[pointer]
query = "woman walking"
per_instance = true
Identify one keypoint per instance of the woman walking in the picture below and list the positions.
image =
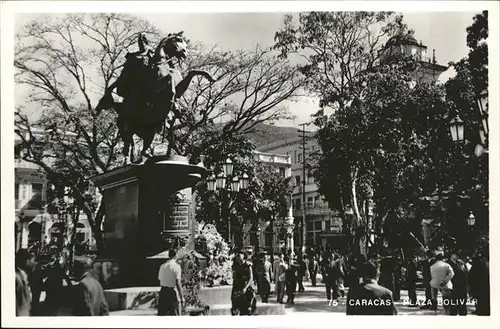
(242, 296)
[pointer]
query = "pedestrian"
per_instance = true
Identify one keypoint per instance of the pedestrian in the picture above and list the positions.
(479, 282)
(411, 280)
(291, 279)
(301, 272)
(387, 274)
(340, 269)
(468, 263)
(114, 281)
(428, 261)
(35, 278)
(459, 282)
(23, 261)
(242, 295)
(358, 269)
(441, 275)
(55, 274)
(88, 295)
(265, 278)
(280, 278)
(397, 270)
(313, 270)
(331, 280)
(171, 299)
(369, 298)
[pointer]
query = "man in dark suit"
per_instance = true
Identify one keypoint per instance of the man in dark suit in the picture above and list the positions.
(430, 302)
(411, 280)
(369, 298)
(459, 281)
(89, 297)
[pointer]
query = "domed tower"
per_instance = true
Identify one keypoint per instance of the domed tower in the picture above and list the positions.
(406, 45)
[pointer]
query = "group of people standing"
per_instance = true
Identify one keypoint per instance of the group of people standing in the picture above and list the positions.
(460, 282)
(84, 296)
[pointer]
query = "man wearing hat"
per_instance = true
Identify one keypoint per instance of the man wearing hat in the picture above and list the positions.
(88, 294)
(459, 281)
(242, 295)
(429, 260)
(264, 276)
(369, 298)
(441, 275)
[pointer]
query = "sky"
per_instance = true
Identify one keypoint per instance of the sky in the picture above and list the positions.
(443, 31)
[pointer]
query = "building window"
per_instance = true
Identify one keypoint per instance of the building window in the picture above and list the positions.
(282, 172)
(298, 204)
(36, 196)
(317, 225)
(310, 179)
(17, 151)
(24, 191)
(297, 180)
(310, 202)
(300, 158)
(295, 156)
(309, 226)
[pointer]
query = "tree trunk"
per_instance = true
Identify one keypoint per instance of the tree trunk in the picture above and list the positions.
(366, 211)
(354, 201)
(71, 246)
(95, 222)
(271, 224)
(99, 240)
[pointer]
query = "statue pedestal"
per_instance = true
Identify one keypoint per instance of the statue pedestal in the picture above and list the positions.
(148, 209)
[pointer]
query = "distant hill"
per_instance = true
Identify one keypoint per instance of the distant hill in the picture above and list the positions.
(264, 134)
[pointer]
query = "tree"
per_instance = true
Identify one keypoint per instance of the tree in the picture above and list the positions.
(64, 65)
(266, 196)
(338, 48)
(228, 210)
(252, 87)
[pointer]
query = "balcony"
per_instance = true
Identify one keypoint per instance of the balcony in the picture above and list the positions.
(273, 158)
(315, 211)
(22, 164)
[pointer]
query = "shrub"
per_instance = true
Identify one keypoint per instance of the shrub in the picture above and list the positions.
(191, 278)
(216, 248)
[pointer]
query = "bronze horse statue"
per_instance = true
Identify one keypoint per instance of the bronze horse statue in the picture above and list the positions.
(149, 84)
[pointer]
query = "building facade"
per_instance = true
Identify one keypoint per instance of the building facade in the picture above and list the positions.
(406, 45)
(279, 234)
(33, 223)
(323, 225)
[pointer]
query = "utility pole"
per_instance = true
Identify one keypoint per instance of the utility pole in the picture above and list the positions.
(303, 143)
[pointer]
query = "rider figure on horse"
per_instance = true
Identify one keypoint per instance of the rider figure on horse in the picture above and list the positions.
(149, 84)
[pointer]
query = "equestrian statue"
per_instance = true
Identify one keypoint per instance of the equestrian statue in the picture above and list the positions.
(150, 85)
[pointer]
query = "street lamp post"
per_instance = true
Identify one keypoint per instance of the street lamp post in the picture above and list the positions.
(471, 221)
(457, 134)
(23, 238)
(236, 184)
(257, 243)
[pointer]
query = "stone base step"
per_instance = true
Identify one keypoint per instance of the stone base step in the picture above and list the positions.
(219, 309)
(142, 297)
